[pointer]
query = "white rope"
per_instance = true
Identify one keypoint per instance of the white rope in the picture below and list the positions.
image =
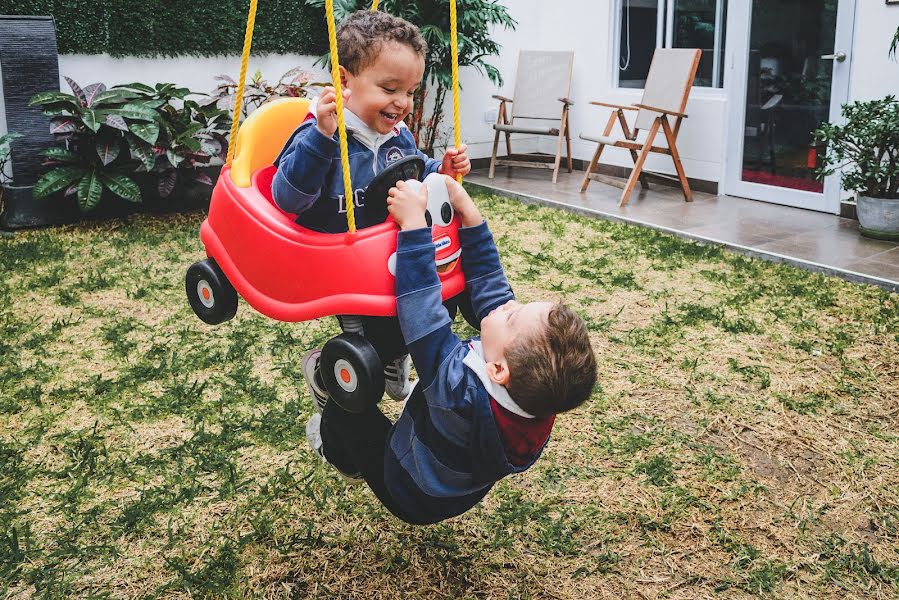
(628, 37)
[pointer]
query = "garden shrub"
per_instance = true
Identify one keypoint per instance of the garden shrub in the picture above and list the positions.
(177, 27)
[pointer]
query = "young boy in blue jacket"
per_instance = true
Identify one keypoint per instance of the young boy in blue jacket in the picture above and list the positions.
(483, 408)
(382, 64)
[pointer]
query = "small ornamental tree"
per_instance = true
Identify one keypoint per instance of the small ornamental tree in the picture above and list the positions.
(895, 45)
(865, 147)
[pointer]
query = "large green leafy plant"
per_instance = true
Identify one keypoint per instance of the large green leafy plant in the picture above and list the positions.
(476, 20)
(111, 134)
(295, 83)
(865, 147)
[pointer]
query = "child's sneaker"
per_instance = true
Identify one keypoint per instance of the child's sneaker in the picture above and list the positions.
(396, 378)
(314, 437)
(313, 376)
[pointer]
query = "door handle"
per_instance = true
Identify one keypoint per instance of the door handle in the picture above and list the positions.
(837, 56)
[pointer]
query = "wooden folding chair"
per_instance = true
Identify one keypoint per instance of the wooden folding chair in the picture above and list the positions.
(542, 81)
(664, 96)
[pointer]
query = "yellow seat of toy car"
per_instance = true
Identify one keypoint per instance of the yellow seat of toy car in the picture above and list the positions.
(263, 135)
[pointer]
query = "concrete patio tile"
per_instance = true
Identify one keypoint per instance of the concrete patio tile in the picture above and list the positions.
(838, 247)
(811, 240)
(730, 232)
(884, 265)
(890, 257)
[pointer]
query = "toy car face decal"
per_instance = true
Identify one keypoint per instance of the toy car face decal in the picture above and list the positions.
(439, 211)
(391, 264)
(445, 261)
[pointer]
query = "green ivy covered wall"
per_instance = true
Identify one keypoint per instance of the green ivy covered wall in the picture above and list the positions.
(178, 27)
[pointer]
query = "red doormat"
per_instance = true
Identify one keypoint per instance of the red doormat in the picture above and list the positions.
(793, 183)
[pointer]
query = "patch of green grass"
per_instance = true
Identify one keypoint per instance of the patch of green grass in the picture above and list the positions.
(145, 454)
(805, 404)
(658, 470)
(845, 561)
(753, 373)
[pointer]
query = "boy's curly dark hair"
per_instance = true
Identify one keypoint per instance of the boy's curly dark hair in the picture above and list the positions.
(361, 36)
(554, 370)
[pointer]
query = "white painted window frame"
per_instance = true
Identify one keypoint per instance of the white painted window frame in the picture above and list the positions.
(665, 39)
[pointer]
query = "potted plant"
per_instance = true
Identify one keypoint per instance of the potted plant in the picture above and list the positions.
(866, 149)
(128, 142)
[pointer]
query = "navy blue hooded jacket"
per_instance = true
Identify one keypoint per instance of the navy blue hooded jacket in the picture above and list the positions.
(445, 452)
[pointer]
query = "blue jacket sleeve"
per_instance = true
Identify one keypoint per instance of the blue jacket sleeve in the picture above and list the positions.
(424, 321)
(431, 164)
(302, 168)
(484, 277)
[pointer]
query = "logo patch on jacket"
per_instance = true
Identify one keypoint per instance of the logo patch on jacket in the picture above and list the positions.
(393, 155)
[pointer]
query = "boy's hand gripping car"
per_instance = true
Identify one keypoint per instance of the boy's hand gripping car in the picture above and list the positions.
(290, 273)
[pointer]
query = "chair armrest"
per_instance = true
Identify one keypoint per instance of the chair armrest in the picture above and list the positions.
(661, 110)
(615, 106)
(566, 101)
(501, 98)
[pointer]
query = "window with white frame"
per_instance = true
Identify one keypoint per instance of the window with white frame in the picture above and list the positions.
(644, 25)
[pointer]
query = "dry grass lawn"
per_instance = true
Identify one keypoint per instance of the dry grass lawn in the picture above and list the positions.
(743, 441)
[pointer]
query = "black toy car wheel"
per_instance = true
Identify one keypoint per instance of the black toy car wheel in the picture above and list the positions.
(410, 167)
(210, 293)
(352, 372)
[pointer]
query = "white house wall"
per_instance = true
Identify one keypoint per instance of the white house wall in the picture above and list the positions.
(192, 72)
(874, 74)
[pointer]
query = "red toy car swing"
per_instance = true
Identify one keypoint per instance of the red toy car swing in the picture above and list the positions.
(290, 273)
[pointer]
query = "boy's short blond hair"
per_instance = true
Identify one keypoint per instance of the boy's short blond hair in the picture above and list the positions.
(554, 370)
(362, 35)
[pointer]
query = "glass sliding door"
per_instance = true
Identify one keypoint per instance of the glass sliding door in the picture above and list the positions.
(791, 71)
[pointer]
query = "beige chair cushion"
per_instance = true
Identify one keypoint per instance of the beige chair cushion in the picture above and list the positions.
(604, 139)
(535, 130)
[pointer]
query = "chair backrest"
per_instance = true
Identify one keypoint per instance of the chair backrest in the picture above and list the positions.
(542, 78)
(263, 135)
(669, 81)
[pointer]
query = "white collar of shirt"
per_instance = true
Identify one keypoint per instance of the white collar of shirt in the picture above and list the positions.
(474, 360)
(367, 136)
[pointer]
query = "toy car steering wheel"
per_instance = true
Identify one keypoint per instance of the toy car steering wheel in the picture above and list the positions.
(410, 167)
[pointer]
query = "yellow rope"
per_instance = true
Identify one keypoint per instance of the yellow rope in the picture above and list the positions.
(238, 97)
(341, 125)
(374, 5)
(454, 41)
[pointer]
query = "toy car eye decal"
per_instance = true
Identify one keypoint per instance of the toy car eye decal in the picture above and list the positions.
(391, 264)
(440, 211)
(446, 212)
